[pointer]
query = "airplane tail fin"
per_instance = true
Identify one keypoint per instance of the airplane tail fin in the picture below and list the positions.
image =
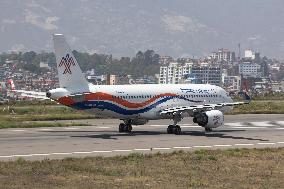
(69, 73)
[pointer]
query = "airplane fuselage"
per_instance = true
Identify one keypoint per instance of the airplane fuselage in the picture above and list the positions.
(139, 101)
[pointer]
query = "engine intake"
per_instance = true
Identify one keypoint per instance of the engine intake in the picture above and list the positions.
(209, 119)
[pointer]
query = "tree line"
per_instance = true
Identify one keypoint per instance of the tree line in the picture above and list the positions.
(143, 63)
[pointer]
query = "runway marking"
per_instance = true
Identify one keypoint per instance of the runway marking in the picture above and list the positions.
(181, 147)
(266, 143)
(142, 149)
(90, 152)
(202, 146)
(244, 144)
(101, 151)
(262, 124)
(46, 129)
(280, 122)
(61, 153)
(157, 125)
(161, 148)
(235, 124)
(136, 149)
(103, 127)
(122, 150)
(18, 130)
(248, 127)
(222, 145)
(71, 128)
(280, 128)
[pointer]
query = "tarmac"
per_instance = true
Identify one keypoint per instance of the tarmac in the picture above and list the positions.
(103, 139)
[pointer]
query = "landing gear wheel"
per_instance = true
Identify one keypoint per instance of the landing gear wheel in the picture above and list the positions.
(121, 127)
(170, 129)
(208, 129)
(128, 128)
(177, 130)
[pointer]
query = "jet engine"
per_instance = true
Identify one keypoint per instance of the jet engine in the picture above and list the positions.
(209, 119)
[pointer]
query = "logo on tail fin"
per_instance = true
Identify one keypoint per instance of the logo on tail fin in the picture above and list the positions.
(67, 62)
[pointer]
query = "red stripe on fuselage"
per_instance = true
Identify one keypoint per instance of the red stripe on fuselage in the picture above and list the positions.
(104, 96)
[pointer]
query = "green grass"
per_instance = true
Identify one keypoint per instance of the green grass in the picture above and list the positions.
(234, 168)
(260, 107)
(13, 124)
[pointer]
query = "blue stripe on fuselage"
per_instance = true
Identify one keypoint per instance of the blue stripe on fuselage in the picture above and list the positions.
(115, 108)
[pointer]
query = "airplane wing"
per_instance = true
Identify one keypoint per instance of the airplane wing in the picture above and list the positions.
(32, 94)
(204, 107)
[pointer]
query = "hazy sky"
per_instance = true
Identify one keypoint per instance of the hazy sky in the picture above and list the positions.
(122, 27)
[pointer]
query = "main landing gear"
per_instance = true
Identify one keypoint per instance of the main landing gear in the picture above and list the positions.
(175, 129)
(125, 127)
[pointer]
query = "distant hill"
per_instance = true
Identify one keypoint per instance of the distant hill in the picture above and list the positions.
(122, 28)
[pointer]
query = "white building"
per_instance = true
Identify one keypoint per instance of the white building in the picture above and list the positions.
(249, 54)
(223, 55)
(248, 69)
(174, 72)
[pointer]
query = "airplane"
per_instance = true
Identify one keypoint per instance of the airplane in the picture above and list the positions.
(137, 104)
(26, 94)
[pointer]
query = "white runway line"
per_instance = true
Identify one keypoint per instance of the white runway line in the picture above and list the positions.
(122, 150)
(235, 124)
(262, 124)
(182, 147)
(161, 148)
(46, 129)
(18, 130)
(280, 128)
(71, 128)
(157, 125)
(142, 149)
(202, 146)
(103, 127)
(102, 151)
(90, 152)
(249, 127)
(222, 145)
(244, 144)
(280, 142)
(61, 153)
(266, 143)
(280, 122)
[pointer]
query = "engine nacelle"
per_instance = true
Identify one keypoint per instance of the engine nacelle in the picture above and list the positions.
(215, 118)
(139, 121)
(209, 119)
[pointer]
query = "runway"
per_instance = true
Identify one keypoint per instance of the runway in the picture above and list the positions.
(103, 138)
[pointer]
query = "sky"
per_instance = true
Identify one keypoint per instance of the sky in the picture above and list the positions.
(180, 28)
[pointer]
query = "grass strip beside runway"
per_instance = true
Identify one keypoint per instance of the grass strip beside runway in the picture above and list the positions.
(232, 168)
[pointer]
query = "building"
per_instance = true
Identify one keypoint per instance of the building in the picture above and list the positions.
(223, 55)
(232, 83)
(111, 79)
(174, 72)
(164, 60)
(249, 54)
(208, 74)
(248, 69)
